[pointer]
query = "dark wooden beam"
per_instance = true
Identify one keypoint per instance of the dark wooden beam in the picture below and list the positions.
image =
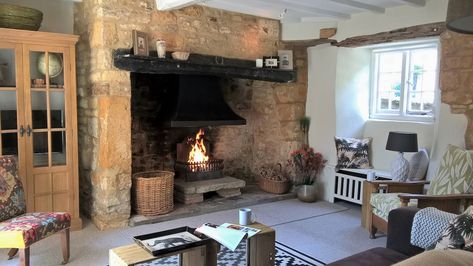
(419, 31)
(307, 43)
(199, 64)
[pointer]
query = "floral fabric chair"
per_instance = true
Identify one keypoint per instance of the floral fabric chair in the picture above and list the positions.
(450, 190)
(18, 229)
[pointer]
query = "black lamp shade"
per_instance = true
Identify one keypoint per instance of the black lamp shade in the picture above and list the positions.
(460, 16)
(402, 141)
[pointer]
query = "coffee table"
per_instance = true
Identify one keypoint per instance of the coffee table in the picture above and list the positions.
(261, 247)
(196, 256)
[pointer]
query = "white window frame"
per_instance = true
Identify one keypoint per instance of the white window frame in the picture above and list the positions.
(402, 115)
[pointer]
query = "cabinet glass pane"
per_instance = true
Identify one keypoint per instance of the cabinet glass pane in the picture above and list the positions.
(38, 109)
(7, 68)
(8, 110)
(56, 102)
(56, 73)
(37, 69)
(9, 144)
(40, 149)
(59, 147)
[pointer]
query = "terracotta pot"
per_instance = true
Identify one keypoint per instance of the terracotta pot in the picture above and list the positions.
(307, 193)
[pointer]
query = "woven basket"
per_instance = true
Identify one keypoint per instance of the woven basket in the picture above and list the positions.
(274, 186)
(153, 192)
(20, 17)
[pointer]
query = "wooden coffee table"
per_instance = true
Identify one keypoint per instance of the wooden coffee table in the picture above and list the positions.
(196, 256)
(261, 248)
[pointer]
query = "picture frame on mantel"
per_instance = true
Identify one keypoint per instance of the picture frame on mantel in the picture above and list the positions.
(140, 43)
(285, 59)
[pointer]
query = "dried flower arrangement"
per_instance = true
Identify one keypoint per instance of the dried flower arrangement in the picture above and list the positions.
(305, 164)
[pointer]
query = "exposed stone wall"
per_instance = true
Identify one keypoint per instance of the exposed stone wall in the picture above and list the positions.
(456, 76)
(271, 109)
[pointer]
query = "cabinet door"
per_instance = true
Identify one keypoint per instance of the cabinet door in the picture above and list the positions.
(48, 128)
(12, 130)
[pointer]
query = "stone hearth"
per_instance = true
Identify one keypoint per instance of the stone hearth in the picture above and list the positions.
(193, 192)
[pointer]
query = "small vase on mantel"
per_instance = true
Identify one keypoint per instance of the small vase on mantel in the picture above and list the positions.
(307, 193)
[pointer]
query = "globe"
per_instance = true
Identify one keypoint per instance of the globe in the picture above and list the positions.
(55, 65)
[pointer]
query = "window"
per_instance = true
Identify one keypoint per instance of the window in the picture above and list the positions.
(405, 79)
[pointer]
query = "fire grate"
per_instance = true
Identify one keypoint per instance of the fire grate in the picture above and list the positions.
(193, 171)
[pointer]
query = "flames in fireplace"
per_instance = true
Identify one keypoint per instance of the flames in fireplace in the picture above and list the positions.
(194, 161)
(198, 153)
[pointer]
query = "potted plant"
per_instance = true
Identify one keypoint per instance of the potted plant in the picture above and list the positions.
(305, 165)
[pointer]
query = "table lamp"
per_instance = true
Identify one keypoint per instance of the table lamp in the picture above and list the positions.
(401, 142)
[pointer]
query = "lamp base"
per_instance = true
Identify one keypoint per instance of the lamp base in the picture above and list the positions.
(399, 168)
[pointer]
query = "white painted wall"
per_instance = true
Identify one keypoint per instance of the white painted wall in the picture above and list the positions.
(58, 15)
(338, 85)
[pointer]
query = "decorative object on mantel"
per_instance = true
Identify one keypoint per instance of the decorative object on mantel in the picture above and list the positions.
(20, 17)
(274, 179)
(271, 61)
(305, 165)
(401, 142)
(140, 43)
(285, 59)
(199, 64)
(161, 48)
(259, 63)
(182, 56)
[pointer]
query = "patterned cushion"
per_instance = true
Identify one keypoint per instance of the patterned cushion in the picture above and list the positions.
(12, 200)
(459, 233)
(383, 203)
(352, 153)
(418, 165)
(22, 231)
(455, 173)
(428, 225)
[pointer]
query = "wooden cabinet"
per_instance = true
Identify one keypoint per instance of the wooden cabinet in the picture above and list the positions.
(38, 117)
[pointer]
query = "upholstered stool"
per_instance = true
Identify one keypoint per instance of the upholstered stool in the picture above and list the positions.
(19, 230)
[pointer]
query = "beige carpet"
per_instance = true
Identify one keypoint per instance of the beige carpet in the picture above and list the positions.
(322, 230)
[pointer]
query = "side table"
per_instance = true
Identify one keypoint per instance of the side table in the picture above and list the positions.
(261, 247)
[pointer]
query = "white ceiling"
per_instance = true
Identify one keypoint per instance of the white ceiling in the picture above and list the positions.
(295, 10)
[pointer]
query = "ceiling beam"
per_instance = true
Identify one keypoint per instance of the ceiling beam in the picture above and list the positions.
(360, 5)
(414, 2)
(164, 5)
(304, 8)
(251, 10)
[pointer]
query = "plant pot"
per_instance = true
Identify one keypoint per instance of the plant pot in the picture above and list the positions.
(307, 193)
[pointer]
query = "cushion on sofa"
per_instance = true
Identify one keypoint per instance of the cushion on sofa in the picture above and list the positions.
(352, 153)
(428, 225)
(418, 165)
(439, 258)
(383, 203)
(455, 173)
(459, 233)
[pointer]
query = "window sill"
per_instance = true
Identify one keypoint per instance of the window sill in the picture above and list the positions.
(409, 119)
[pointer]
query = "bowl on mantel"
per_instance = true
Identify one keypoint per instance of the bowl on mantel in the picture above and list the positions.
(182, 56)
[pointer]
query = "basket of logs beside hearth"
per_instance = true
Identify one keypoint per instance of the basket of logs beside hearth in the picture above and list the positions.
(274, 179)
(152, 192)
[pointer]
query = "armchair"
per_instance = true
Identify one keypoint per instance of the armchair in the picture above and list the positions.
(19, 230)
(449, 191)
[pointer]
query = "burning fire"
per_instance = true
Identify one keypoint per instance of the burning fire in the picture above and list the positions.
(198, 153)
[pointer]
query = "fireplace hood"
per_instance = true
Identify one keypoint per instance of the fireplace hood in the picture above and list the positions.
(196, 101)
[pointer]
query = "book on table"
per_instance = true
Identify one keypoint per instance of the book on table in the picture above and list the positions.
(229, 235)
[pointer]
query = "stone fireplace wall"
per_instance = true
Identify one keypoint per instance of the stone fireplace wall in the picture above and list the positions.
(105, 126)
(456, 77)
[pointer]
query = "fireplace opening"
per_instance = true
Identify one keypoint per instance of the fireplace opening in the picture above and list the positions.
(194, 161)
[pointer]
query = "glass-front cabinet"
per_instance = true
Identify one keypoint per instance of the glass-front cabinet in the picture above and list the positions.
(38, 117)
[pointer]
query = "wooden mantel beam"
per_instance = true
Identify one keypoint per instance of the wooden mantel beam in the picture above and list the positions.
(419, 31)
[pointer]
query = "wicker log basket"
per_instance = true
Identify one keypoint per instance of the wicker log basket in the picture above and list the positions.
(20, 17)
(152, 192)
(274, 180)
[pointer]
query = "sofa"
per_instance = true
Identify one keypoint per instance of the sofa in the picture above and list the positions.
(399, 249)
